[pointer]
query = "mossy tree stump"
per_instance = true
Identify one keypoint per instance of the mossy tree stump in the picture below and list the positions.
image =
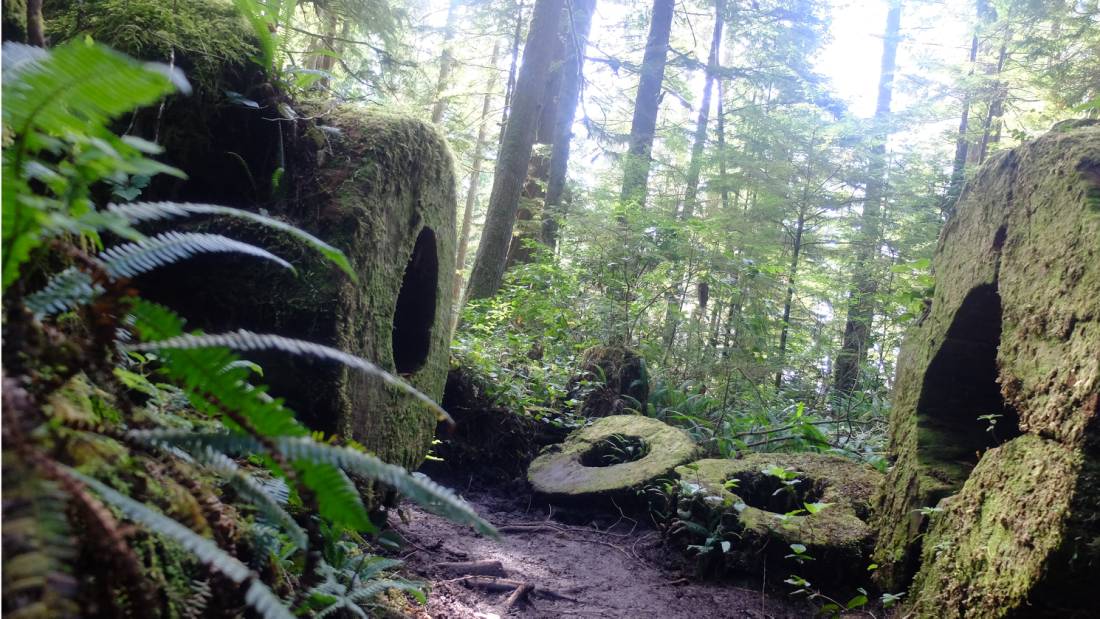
(1008, 348)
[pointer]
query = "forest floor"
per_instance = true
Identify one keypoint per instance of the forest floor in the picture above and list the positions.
(598, 566)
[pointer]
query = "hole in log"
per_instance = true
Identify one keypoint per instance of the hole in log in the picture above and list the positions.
(415, 311)
(615, 449)
(769, 493)
(961, 412)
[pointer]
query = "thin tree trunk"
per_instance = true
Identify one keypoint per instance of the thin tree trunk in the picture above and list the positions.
(796, 252)
(673, 310)
(962, 142)
(857, 326)
(722, 173)
(446, 62)
(475, 180)
(510, 86)
(991, 128)
(519, 135)
(644, 124)
(695, 164)
(572, 79)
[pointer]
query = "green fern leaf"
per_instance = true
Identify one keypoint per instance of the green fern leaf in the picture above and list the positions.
(72, 287)
(132, 259)
(246, 340)
(76, 85)
(138, 212)
(416, 487)
(258, 596)
(251, 490)
(209, 377)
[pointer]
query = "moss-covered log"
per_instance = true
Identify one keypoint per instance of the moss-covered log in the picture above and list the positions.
(766, 516)
(1010, 343)
(614, 457)
(1021, 539)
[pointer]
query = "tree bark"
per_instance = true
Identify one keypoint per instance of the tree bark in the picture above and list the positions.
(36, 30)
(510, 85)
(695, 165)
(643, 126)
(572, 79)
(446, 62)
(962, 142)
(796, 253)
(511, 167)
(475, 180)
(857, 326)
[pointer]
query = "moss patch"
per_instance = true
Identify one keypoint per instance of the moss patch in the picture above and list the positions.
(1022, 538)
(561, 474)
(753, 506)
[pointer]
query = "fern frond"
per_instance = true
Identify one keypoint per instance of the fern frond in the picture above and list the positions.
(67, 290)
(258, 596)
(132, 259)
(246, 340)
(253, 492)
(208, 376)
(139, 212)
(72, 287)
(417, 488)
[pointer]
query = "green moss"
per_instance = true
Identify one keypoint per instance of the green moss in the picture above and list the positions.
(206, 38)
(15, 20)
(1015, 541)
(758, 509)
(561, 472)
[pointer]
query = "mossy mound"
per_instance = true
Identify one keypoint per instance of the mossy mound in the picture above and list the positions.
(614, 457)
(208, 40)
(488, 439)
(1009, 345)
(766, 515)
(612, 380)
(1021, 539)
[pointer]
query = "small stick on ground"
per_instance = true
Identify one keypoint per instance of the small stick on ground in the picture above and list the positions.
(520, 593)
(529, 528)
(487, 567)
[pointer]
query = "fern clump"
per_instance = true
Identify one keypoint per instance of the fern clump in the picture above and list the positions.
(180, 411)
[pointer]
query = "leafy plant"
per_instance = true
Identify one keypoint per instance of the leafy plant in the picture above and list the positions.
(57, 108)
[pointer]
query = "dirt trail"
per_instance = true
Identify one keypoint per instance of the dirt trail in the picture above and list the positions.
(621, 569)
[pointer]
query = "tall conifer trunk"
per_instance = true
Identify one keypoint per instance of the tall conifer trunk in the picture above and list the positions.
(644, 124)
(857, 326)
(515, 151)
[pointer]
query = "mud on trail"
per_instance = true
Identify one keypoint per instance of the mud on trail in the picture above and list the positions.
(542, 567)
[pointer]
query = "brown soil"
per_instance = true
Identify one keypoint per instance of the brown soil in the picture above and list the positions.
(593, 567)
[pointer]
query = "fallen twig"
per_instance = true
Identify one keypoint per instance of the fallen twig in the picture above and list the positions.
(487, 567)
(520, 592)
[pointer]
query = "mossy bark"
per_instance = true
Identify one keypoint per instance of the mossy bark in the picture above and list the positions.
(1013, 331)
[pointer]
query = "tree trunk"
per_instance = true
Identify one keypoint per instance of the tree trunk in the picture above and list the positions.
(796, 252)
(962, 142)
(36, 30)
(695, 165)
(510, 85)
(515, 151)
(446, 61)
(475, 180)
(572, 79)
(644, 124)
(857, 327)
(991, 128)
